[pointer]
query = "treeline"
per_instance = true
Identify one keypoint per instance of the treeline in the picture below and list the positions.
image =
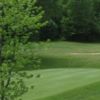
(70, 20)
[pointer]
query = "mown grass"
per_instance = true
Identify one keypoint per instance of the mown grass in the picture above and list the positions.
(69, 71)
(89, 92)
(61, 55)
(71, 61)
(55, 83)
(67, 47)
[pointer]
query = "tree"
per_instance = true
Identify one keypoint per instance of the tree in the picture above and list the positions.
(53, 13)
(18, 20)
(80, 16)
(97, 15)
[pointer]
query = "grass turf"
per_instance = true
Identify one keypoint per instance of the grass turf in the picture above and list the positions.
(89, 92)
(75, 76)
(59, 81)
(70, 55)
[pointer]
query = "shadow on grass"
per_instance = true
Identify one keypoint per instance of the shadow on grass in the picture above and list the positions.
(77, 61)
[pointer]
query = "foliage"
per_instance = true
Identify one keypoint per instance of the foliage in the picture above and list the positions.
(97, 15)
(77, 20)
(50, 31)
(53, 13)
(18, 20)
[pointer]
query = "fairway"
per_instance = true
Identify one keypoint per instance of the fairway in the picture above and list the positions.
(57, 81)
(68, 71)
(70, 55)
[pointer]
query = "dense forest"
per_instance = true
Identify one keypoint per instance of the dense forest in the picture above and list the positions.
(77, 20)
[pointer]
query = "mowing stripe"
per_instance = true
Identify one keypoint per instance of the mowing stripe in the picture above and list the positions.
(56, 81)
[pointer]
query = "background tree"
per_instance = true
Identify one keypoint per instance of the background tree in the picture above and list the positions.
(97, 16)
(80, 15)
(18, 20)
(71, 19)
(53, 13)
